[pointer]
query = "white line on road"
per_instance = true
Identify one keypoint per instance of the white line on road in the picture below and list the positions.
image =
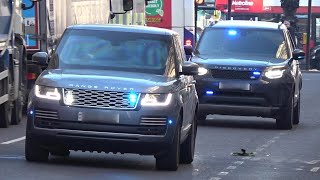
(223, 173)
(232, 167)
(238, 162)
(14, 140)
(315, 169)
(215, 178)
(11, 157)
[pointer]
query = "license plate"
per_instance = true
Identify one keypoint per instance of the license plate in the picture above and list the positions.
(99, 117)
(234, 85)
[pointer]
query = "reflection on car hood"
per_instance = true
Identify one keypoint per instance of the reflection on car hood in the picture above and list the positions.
(241, 62)
(107, 81)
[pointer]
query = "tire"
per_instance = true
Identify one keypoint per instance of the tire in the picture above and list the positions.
(18, 105)
(170, 160)
(61, 152)
(34, 152)
(188, 146)
(296, 112)
(5, 108)
(285, 121)
(5, 115)
(17, 110)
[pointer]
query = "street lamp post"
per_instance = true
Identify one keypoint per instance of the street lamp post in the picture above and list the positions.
(229, 9)
(308, 35)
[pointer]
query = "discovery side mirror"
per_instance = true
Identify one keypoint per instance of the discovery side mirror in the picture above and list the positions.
(40, 58)
(298, 54)
(190, 68)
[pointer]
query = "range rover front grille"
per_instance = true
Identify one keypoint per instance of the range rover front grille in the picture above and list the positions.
(232, 74)
(100, 99)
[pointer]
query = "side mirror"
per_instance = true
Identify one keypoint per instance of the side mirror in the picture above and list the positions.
(122, 7)
(188, 49)
(40, 58)
(298, 54)
(190, 68)
(127, 5)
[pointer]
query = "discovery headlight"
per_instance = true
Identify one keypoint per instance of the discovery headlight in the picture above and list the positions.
(202, 71)
(274, 73)
(156, 100)
(47, 92)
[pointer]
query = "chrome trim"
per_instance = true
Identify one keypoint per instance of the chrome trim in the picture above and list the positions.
(63, 94)
(152, 121)
(115, 135)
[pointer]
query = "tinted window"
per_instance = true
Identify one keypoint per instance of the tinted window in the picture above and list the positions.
(235, 43)
(110, 50)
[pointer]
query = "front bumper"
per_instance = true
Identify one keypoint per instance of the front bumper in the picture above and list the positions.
(145, 130)
(262, 99)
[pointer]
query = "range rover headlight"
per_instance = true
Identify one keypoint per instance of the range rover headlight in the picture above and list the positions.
(47, 92)
(274, 73)
(156, 100)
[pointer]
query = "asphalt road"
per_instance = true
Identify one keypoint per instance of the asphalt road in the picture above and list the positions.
(278, 154)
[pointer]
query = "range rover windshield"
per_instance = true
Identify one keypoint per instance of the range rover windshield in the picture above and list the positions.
(242, 43)
(113, 50)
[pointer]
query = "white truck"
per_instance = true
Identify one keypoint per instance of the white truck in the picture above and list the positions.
(23, 33)
(51, 17)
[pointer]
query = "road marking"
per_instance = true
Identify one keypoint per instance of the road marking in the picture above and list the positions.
(11, 157)
(14, 140)
(315, 169)
(215, 178)
(223, 173)
(313, 162)
(232, 167)
(238, 162)
(299, 169)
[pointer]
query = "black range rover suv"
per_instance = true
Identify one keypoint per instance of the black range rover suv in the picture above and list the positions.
(114, 89)
(249, 68)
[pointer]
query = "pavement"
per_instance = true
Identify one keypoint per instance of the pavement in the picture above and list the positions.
(277, 154)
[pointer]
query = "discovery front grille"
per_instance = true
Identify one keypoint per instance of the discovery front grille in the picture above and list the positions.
(232, 74)
(100, 99)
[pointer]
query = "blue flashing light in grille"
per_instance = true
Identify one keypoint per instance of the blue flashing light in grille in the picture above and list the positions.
(256, 73)
(133, 98)
(209, 92)
(170, 122)
(232, 32)
(31, 112)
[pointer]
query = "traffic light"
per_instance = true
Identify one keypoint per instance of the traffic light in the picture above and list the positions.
(199, 2)
(127, 5)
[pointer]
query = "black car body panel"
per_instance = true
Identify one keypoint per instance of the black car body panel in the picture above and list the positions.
(100, 115)
(237, 85)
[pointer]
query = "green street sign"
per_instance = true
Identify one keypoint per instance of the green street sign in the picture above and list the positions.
(154, 7)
